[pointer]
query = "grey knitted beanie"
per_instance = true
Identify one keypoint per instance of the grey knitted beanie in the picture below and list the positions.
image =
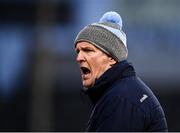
(107, 35)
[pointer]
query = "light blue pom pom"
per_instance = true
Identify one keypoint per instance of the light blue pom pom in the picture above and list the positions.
(112, 17)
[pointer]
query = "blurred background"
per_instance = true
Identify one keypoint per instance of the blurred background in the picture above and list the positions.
(39, 78)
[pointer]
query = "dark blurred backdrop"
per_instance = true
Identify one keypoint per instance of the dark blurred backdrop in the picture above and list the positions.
(39, 79)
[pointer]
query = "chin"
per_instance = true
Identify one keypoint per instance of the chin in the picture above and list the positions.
(86, 86)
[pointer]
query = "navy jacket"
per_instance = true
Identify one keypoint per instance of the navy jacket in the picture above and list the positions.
(122, 102)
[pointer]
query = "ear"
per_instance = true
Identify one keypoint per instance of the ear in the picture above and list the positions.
(112, 61)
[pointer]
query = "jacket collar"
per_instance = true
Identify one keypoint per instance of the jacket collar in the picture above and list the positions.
(103, 84)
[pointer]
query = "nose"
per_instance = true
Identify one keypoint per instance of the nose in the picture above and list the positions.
(80, 57)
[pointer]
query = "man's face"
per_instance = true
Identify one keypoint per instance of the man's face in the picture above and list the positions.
(92, 61)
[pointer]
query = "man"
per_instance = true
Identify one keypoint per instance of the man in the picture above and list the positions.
(122, 102)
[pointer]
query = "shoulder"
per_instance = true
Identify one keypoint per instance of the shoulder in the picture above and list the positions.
(130, 101)
(133, 91)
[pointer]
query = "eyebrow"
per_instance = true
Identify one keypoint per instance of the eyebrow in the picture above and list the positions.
(85, 47)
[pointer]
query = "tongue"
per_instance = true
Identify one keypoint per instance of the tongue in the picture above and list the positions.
(86, 75)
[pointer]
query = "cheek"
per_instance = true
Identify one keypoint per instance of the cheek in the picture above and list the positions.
(99, 67)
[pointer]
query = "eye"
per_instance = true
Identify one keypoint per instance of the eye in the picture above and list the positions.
(77, 51)
(87, 50)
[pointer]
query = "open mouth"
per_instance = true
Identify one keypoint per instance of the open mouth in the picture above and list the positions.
(85, 71)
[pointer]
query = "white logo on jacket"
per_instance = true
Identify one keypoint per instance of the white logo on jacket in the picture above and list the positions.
(143, 98)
